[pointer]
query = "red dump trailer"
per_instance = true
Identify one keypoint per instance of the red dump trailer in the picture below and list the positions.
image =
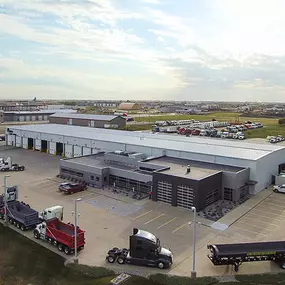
(61, 235)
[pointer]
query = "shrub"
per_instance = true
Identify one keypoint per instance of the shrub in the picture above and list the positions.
(261, 278)
(90, 271)
(281, 121)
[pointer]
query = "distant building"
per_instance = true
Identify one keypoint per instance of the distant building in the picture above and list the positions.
(129, 106)
(106, 104)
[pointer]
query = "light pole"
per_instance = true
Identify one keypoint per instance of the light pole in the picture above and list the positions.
(75, 228)
(5, 200)
(193, 272)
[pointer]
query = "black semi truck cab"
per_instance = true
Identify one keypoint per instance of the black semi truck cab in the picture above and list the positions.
(236, 254)
(145, 249)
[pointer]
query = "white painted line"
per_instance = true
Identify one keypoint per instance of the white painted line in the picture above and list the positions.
(142, 215)
(263, 217)
(233, 226)
(180, 228)
(258, 227)
(154, 219)
(269, 210)
(273, 204)
(168, 222)
(259, 221)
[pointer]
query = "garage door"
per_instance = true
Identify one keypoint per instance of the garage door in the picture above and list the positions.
(185, 197)
(77, 151)
(28, 118)
(68, 150)
(52, 148)
(18, 141)
(45, 117)
(22, 118)
(38, 145)
(33, 118)
(25, 142)
(40, 117)
(11, 140)
(164, 192)
(86, 150)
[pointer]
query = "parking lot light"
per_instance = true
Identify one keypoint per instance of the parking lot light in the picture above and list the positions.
(5, 200)
(76, 214)
(193, 272)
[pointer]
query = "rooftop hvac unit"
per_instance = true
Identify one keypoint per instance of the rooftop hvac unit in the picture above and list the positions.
(120, 152)
(137, 156)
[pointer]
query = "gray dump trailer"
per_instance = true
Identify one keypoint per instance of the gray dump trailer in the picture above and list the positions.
(21, 215)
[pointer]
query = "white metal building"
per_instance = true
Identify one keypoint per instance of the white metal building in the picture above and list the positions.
(263, 160)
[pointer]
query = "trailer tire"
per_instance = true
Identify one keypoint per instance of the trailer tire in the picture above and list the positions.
(67, 250)
(236, 267)
(1, 216)
(161, 265)
(60, 247)
(121, 260)
(18, 226)
(22, 227)
(111, 259)
(36, 235)
(282, 264)
(54, 243)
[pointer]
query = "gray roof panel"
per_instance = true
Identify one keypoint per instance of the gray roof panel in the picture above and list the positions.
(85, 116)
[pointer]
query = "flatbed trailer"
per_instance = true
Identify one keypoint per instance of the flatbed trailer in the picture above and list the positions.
(236, 254)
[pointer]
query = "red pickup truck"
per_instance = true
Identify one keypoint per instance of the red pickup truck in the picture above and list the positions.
(69, 187)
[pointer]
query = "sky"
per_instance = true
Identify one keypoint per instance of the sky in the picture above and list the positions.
(217, 50)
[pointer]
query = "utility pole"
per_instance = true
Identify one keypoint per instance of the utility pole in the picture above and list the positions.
(193, 272)
(5, 201)
(75, 229)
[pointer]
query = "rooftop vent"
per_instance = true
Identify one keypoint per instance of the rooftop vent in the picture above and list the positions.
(188, 170)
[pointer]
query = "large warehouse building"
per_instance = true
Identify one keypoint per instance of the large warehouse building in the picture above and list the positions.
(88, 120)
(238, 167)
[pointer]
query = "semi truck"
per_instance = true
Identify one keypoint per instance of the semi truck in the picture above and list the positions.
(21, 215)
(50, 213)
(145, 249)
(60, 234)
(236, 254)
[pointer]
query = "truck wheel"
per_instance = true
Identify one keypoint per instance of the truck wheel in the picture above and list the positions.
(1, 216)
(160, 265)
(111, 259)
(36, 235)
(121, 260)
(60, 247)
(54, 243)
(18, 225)
(22, 227)
(282, 265)
(67, 250)
(236, 267)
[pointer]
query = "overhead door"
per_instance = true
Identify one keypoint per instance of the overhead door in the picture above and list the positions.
(38, 144)
(22, 118)
(86, 150)
(25, 142)
(45, 117)
(33, 118)
(40, 117)
(68, 150)
(28, 118)
(18, 141)
(77, 151)
(52, 148)
(11, 140)
(164, 192)
(185, 197)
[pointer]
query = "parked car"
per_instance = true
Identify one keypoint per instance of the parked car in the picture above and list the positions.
(279, 188)
(69, 187)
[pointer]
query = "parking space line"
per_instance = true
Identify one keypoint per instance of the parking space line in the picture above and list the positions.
(253, 232)
(260, 216)
(180, 228)
(273, 204)
(260, 221)
(259, 227)
(277, 212)
(142, 215)
(168, 222)
(154, 219)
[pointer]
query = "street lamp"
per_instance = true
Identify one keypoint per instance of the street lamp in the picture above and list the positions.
(76, 214)
(5, 200)
(193, 272)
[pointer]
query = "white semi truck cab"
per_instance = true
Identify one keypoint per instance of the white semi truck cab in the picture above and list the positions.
(52, 212)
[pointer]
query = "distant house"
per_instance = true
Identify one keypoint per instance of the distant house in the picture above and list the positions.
(129, 106)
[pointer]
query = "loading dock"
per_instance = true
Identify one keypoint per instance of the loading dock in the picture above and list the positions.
(38, 144)
(30, 143)
(44, 146)
(18, 141)
(59, 148)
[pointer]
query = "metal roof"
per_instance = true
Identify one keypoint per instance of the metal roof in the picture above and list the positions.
(85, 116)
(41, 112)
(201, 145)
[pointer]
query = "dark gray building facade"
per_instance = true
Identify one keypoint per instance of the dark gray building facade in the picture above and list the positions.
(89, 120)
(174, 181)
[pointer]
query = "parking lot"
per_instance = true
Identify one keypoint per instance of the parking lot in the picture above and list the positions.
(108, 218)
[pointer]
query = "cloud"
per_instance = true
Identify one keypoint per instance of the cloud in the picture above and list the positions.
(151, 48)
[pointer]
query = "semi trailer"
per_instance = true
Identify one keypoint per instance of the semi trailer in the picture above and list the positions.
(145, 249)
(236, 254)
(60, 234)
(21, 215)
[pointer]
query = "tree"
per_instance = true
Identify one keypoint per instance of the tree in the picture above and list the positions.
(281, 121)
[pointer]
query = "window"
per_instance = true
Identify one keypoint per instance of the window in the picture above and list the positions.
(97, 179)
(92, 177)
